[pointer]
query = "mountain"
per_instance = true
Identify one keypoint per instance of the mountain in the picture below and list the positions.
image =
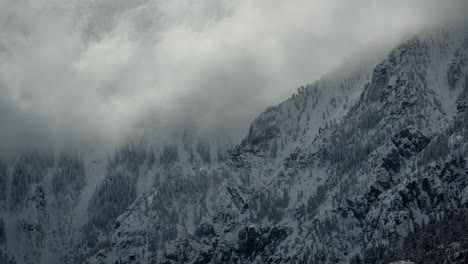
(366, 165)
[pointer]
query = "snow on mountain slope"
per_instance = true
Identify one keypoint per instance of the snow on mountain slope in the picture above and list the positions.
(320, 178)
(341, 172)
(46, 200)
(38, 205)
(300, 118)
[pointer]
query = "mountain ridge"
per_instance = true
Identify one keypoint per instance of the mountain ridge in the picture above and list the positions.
(341, 172)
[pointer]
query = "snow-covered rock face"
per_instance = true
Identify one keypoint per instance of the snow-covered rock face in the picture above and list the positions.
(341, 172)
(64, 209)
(264, 128)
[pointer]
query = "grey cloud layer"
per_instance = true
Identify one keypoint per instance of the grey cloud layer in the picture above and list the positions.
(88, 72)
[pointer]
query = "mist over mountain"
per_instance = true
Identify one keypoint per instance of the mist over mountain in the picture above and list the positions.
(157, 131)
(90, 72)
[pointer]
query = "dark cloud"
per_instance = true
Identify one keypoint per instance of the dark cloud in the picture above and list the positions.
(89, 72)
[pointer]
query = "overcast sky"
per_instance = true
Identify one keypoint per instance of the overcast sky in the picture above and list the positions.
(87, 71)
